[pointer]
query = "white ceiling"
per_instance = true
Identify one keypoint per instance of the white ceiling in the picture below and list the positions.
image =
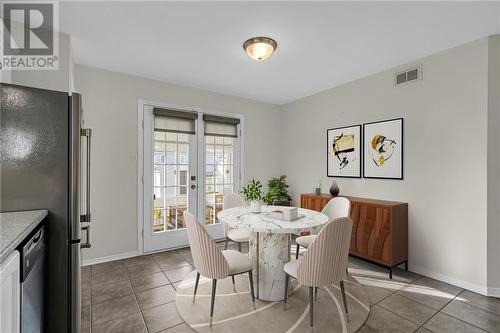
(320, 45)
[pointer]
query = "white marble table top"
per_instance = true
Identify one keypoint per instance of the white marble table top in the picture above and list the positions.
(270, 221)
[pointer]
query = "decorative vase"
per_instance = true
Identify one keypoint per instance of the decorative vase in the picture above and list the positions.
(255, 206)
(334, 189)
(317, 191)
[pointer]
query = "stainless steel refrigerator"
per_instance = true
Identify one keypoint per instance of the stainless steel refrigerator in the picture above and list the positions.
(42, 146)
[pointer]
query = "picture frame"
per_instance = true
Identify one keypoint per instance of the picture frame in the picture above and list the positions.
(344, 151)
(383, 143)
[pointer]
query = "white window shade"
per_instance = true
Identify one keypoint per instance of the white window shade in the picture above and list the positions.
(175, 121)
(221, 126)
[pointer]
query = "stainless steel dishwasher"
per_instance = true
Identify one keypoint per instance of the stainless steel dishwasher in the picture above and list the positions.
(33, 282)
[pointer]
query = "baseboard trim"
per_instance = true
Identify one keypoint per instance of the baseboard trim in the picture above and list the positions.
(494, 292)
(483, 290)
(100, 260)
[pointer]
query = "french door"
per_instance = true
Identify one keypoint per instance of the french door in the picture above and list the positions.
(190, 161)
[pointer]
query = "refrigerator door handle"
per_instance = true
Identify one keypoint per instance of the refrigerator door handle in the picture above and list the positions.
(86, 244)
(87, 132)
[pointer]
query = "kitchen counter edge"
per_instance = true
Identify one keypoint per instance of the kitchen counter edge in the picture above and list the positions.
(15, 227)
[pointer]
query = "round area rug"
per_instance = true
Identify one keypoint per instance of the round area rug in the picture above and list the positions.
(234, 311)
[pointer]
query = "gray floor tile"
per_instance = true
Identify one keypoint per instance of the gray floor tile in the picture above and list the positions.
(473, 315)
(130, 324)
(424, 330)
(168, 260)
(149, 281)
(377, 294)
(108, 274)
(143, 268)
(85, 318)
(177, 274)
(137, 260)
(408, 309)
(184, 252)
(442, 323)
(114, 309)
(107, 267)
(365, 329)
(161, 317)
(490, 304)
(156, 296)
(182, 328)
(431, 293)
(109, 291)
(381, 320)
(86, 290)
(86, 274)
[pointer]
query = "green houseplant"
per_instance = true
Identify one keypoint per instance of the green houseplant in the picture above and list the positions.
(252, 193)
(278, 192)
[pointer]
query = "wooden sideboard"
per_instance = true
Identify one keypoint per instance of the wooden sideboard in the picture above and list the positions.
(379, 230)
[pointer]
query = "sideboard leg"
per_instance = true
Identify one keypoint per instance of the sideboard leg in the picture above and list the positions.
(390, 273)
(406, 265)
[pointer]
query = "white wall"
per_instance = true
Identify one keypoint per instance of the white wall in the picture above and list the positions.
(59, 80)
(110, 102)
(494, 166)
(444, 149)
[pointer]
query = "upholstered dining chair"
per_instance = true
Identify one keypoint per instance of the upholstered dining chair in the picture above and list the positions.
(336, 207)
(236, 235)
(324, 263)
(211, 262)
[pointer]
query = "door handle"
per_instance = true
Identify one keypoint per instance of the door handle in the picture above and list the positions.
(87, 132)
(86, 244)
(193, 187)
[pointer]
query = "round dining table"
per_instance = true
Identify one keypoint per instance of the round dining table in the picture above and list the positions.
(269, 247)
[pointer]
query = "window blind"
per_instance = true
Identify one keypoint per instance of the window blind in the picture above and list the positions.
(221, 126)
(175, 121)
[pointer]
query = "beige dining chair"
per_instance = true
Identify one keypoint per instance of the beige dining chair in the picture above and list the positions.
(211, 262)
(236, 235)
(324, 263)
(336, 207)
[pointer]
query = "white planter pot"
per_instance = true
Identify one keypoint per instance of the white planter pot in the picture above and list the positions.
(255, 206)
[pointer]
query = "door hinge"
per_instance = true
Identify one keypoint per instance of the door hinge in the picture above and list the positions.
(142, 232)
(142, 178)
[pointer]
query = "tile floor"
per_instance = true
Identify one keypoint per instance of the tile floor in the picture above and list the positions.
(137, 295)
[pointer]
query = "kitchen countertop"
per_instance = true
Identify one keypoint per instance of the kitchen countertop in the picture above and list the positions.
(15, 227)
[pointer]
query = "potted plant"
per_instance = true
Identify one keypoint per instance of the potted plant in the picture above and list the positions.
(277, 194)
(252, 193)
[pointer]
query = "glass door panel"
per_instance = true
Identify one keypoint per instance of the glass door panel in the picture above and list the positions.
(219, 177)
(170, 182)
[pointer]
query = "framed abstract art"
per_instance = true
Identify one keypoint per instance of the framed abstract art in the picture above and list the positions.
(383, 149)
(344, 152)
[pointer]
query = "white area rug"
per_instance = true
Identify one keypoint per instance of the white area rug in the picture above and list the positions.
(234, 311)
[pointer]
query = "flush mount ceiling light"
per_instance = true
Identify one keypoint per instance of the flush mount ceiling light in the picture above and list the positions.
(260, 48)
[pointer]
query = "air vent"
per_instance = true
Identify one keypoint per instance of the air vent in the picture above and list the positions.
(409, 75)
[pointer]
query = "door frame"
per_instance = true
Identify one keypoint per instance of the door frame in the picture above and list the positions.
(141, 217)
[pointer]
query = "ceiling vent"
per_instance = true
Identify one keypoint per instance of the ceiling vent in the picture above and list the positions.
(412, 74)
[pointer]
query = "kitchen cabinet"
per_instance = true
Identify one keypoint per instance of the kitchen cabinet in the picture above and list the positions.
(10, 300)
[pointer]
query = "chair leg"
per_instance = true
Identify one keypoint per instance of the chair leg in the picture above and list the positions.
(239, 247)
(196, 285)
(344, 299)
(287, 279)
(214, 287)
(297, 254)
(234, 284)
(311, 306)
(250, 278)
(225, 245)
